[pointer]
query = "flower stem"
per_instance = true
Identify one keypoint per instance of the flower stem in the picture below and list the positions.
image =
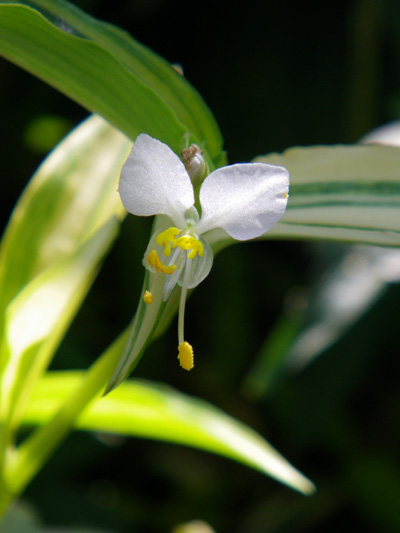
(182, 301)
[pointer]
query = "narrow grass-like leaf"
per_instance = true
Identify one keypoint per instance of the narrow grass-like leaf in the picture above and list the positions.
(357, 277)
(340, 298)
(106, 71)
(341, 193)
(143, 63)
(63, 225)
(72, 194)
(269, 364)
(25, 462)
(146, 410)
(36, 320)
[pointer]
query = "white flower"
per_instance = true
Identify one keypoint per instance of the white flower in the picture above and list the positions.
(245, 200)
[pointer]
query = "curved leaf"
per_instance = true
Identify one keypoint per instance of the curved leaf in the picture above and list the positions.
(72, 194)
(341, 193)
(64, 223)
(355, 279)
(106, 71)
(146, 410)
(36, 320)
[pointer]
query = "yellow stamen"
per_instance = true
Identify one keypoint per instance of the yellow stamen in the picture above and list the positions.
(187, 242)
(167, 238)
(185, 355)
(154, 262)
(148, 297)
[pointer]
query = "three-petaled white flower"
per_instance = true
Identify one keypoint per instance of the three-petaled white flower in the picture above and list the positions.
(245, 200)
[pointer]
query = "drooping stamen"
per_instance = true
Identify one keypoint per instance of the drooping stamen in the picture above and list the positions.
(154, 262)
(182, 301)
(185, 350)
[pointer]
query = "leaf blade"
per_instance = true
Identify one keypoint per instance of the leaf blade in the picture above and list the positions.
(153, 411)
(107, 72)
(152, 69)
(72, 194)
(58, 234)
(343, 193)
(37, 319)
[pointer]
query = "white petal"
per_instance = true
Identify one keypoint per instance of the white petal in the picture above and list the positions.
(154, 181)
(245, 200)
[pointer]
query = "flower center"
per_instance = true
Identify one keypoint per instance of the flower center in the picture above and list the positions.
(171, 241)
(168, 239)
(184, 259)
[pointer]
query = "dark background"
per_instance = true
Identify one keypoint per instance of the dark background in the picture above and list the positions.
(275, 74)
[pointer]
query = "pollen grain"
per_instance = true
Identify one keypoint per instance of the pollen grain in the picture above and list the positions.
(148, 297)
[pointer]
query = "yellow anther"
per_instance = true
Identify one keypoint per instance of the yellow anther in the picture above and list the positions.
(185, 355)
(197, 248)
(167, 238)
(187, 242)
(148, 297)
(154, 262)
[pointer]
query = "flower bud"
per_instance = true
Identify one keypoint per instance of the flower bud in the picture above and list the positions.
(194, 163)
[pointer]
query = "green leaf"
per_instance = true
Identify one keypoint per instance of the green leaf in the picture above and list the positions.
(270, 363)
(73, 193)
(337, 301)
(60, 230)
(146, 410)
(37, 319)
(341, 193)
(106, 71)
(354, 279)
(25, 462)
(340, 298)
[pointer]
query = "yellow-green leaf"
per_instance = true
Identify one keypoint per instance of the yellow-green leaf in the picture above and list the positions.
(72, 194)
(142, 409)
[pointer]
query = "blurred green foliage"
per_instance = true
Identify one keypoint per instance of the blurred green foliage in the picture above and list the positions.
(275, 75)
